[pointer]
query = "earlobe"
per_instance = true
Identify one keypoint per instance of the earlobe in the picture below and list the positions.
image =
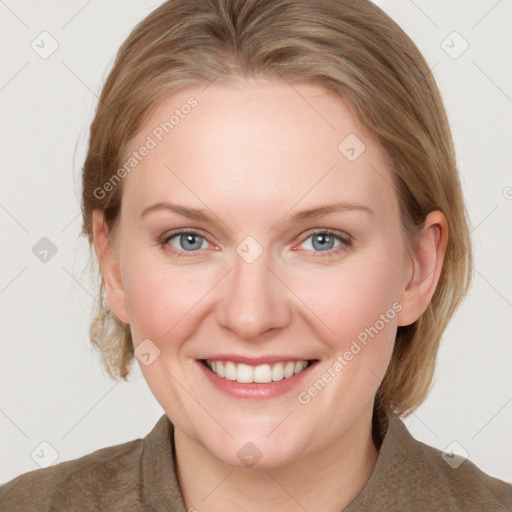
(109, 267)
(427, 258)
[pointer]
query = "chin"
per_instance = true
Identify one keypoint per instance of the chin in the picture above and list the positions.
(257, 449)
(249, 455)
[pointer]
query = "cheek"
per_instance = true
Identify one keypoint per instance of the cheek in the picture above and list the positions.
(159, 296)
(356, 299)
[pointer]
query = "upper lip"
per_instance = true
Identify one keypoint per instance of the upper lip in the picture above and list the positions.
(254, 361)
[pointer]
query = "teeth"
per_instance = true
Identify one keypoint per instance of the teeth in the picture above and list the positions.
(262, 373)
(278, 372)
(289, 369)
(230, 371)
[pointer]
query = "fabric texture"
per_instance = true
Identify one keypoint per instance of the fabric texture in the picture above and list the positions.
(140, 476)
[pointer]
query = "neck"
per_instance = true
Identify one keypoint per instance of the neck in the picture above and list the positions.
(327, 481)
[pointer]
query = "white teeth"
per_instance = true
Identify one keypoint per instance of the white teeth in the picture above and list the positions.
(300, 365)
(244, 373)
(262, 373)
(230, 370)
(278, 372)
(289, 369)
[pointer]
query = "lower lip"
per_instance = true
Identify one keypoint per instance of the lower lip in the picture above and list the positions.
(254, 390)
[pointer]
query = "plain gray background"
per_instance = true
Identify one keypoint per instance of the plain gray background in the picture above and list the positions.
(52, 387)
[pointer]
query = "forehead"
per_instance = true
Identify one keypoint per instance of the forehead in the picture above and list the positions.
(256, 143)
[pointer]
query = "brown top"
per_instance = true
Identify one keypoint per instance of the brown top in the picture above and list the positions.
(140, 476)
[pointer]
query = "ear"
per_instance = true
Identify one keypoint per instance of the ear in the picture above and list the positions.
(427, 257)
(109, 267)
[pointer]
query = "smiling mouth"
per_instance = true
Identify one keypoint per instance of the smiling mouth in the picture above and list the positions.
(261, 374)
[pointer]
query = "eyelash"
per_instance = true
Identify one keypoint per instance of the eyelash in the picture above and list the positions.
(345, 243)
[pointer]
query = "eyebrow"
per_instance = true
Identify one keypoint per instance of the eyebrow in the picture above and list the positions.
(329, 208)
(193, 213)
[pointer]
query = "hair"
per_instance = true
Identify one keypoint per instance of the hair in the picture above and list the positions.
(351, 48)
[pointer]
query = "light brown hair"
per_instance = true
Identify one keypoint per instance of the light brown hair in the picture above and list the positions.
(350, 47)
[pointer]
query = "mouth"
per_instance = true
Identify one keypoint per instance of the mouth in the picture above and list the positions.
(259, 374)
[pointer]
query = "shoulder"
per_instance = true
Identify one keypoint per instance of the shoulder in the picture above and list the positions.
(76, 484)
(461, 482)
(453, 482)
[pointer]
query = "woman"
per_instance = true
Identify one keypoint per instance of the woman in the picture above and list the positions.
(272, 194)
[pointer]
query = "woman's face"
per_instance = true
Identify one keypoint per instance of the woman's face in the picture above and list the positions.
(290, 250)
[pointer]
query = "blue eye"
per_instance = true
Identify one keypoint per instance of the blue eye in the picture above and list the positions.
(322, 241)
(186, 241)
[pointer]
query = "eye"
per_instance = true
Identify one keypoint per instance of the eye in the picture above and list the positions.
(322, 241)
(326, 241)
(186, 241)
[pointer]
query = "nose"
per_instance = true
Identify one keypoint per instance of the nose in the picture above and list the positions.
(254, 300)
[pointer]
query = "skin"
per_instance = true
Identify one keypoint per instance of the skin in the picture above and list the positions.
(252, 155)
